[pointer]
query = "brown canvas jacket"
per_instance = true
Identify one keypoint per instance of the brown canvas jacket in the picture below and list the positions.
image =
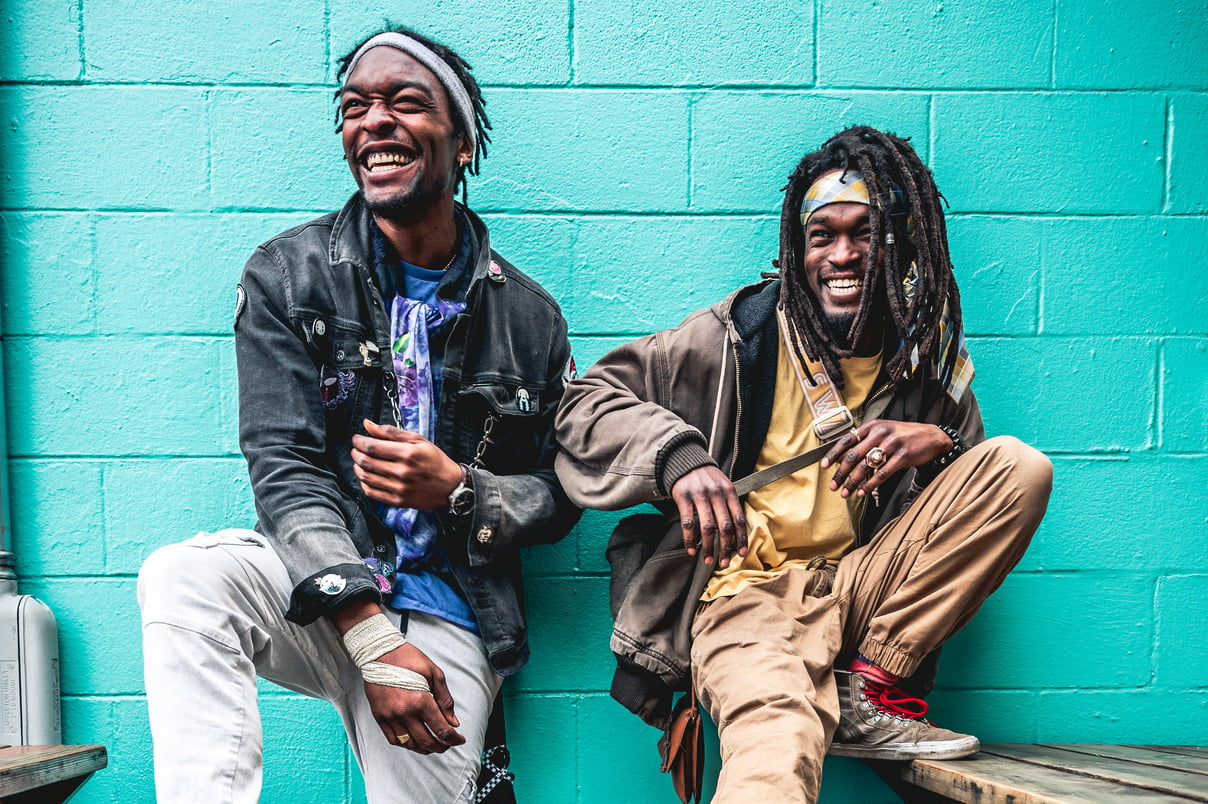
(654, 409)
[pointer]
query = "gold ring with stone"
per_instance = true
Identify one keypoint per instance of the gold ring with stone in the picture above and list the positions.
(876, 458)
(403, 738)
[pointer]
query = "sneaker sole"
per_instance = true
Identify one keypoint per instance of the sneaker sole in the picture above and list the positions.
(902, 752)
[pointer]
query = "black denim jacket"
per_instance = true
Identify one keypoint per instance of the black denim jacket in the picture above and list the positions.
(309, 309)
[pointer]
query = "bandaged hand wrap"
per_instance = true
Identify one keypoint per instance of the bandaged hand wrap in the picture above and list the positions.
(371, 639)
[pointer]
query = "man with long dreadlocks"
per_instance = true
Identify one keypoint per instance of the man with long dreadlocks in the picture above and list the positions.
(398, 381)
(831, 509)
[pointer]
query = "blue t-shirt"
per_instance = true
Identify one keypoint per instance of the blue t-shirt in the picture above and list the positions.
(430, 587)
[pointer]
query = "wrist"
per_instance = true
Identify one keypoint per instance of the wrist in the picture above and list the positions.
(939, 463)
(461, 497)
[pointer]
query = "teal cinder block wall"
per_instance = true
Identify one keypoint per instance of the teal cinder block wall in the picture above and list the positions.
(639, 148)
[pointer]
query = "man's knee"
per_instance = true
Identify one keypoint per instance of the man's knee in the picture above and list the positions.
(1024, 465)
(199, 571)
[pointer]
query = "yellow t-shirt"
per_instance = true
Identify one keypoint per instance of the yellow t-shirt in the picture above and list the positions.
(798, 517)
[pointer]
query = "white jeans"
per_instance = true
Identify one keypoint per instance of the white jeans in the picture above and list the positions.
(213, 619)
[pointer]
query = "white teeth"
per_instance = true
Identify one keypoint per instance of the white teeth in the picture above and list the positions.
(844, 284)
(386, 160)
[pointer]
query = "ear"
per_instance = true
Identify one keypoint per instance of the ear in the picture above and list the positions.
(465, 153)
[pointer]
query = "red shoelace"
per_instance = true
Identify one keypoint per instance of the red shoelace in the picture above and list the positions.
(892, 701)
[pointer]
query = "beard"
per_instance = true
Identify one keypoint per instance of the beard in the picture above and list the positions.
(839, 327)
(405, 205)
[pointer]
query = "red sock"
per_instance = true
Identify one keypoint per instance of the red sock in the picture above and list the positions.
(871, 672)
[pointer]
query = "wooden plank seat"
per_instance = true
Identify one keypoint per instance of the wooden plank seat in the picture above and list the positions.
(46, 774)
(1016, 773)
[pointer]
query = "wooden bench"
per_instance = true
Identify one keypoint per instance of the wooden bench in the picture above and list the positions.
(46, 774)
(1013, 773)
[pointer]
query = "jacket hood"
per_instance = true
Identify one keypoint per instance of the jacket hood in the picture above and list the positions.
(748, 308)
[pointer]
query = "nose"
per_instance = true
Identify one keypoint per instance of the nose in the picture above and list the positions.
(378, 117)
(846, 251)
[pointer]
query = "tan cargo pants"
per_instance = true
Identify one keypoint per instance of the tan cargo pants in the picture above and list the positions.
(762, 660)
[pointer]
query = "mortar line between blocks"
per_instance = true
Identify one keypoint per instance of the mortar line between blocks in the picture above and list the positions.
(1160, 399)
(1053, 51)
(931, 129)
(570, 41)
(1167, 152)
(80, 39)
(692, 99)
(817, 16)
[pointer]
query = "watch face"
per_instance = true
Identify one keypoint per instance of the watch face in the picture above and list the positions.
(461, 501)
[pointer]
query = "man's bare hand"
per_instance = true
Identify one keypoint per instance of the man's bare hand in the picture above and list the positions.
(711, 515)
(403, 469)
(904, 444)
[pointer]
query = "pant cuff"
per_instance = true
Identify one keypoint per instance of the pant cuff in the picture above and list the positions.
(890, 658)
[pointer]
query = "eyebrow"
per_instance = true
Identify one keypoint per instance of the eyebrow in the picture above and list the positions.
(394, 88)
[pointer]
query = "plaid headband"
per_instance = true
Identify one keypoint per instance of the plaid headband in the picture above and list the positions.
(839, 186)
(444, 73)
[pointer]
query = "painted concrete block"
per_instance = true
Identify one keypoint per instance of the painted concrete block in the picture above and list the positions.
(543, 736)
(962, 44)
(143, 147)
(1050, 392)
(224, 41)
(303, 751)
(589, 349)
(523, 42)
(226, 388)
(556, 559)
(569, 629)
(1182, 606)
(1185, 395)
(594, 529)
(95, 615)
(47, 273)
(1188, 164)
(680, 42)
(1005, 716)
(1141, 717)
(1106, 45)
(540, 245)
(994, 152)
(558, 150)
(613, 738)
(1129, 512)
(150, 503)
(113, 396)
(1027, 631)
(637, 275)
(746, 144)
(178, 272)
(998, 267)
(56, 514)
(1099, 276)
(119, 724)
(40, 41)
(276, 149)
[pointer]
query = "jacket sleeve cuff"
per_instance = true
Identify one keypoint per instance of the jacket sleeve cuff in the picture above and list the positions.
(328, 590)
(680, 456)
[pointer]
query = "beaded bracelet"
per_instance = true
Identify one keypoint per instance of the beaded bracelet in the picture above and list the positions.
(958, 449)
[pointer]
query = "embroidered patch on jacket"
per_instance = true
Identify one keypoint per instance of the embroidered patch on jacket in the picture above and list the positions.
(381, 573)
(331, 584)
(335, 385)
(240, 302)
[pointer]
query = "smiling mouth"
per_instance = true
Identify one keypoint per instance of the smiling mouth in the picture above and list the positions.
(383, 161)
(843, 286)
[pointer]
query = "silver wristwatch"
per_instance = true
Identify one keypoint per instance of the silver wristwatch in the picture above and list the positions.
(461, 499)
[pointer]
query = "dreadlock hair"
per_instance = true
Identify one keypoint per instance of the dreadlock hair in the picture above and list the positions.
(461, 68)
(885, 161)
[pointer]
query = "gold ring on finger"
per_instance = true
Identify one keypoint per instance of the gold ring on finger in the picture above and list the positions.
(403, 738)
(876, 458)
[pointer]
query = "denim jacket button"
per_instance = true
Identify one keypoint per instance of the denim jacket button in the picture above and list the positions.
(485, 534)
(320, 327)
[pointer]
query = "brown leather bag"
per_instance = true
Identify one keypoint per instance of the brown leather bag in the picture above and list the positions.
(683, 749)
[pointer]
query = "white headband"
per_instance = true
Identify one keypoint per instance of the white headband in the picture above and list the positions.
(457, 91)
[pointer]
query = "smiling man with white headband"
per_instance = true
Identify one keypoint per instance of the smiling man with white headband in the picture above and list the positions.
(398, 381)
(832, 511)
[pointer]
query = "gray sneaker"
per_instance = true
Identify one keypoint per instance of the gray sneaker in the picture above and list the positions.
(881, 722)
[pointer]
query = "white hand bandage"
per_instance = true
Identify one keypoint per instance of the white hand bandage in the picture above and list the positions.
(372, 638)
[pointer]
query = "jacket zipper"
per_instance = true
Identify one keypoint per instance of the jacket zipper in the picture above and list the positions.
(738, 407)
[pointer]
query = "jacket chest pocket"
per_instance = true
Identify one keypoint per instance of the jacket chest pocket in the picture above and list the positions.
(500, 424)
(349, 365)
